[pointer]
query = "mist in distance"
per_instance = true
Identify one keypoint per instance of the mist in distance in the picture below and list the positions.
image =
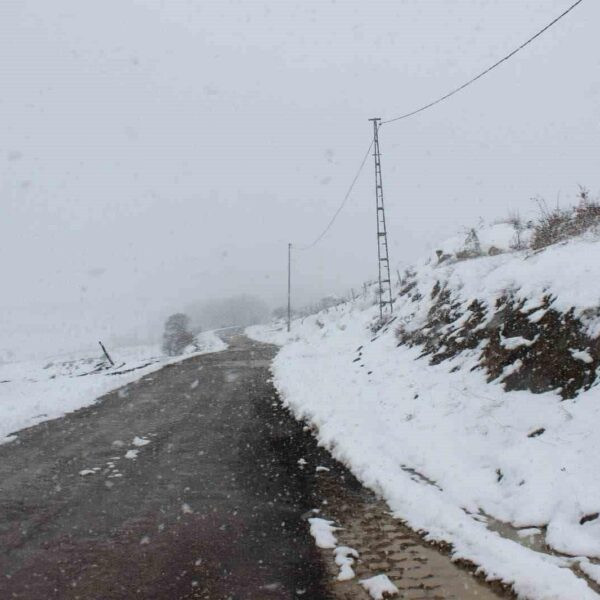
(157, 156)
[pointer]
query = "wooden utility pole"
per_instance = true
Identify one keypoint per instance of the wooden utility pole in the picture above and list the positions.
(289, 307)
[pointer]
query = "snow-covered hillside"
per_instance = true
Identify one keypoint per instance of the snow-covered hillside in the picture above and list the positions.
(436, 409)
(32, 392)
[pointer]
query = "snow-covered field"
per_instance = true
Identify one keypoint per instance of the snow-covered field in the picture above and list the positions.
(450, 452)
(32, 392)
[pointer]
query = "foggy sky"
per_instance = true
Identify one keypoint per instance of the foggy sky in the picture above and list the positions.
(155, 152)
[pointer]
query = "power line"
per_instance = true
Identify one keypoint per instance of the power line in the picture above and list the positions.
(497, 64)
(425, 107)
(341, 206)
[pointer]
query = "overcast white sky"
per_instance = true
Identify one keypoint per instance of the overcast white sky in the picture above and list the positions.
(154, 152)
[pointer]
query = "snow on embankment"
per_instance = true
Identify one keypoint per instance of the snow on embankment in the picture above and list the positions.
(32, 392)
(436, 409)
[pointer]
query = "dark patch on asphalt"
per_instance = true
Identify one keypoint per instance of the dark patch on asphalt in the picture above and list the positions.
(211, 508)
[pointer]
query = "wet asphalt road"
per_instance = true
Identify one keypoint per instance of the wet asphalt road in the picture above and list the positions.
(210, 508)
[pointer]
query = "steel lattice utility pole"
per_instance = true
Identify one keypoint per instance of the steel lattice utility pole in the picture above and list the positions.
(385, 284)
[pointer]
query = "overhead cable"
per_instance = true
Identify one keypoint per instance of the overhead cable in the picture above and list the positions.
(341, 206)
(483, 73)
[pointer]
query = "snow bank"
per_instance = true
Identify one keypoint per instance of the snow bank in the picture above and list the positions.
(452, 454)
(32, 392)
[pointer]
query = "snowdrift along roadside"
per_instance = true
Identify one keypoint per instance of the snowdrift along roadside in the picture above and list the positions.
(32, 392)
(452, 453)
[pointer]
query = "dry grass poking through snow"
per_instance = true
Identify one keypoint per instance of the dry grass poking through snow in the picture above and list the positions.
(557, 225)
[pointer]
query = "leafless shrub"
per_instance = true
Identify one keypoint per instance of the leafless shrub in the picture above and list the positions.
(556, 225)
(520, 226)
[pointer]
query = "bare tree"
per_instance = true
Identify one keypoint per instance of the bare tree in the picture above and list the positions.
(177, 334)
